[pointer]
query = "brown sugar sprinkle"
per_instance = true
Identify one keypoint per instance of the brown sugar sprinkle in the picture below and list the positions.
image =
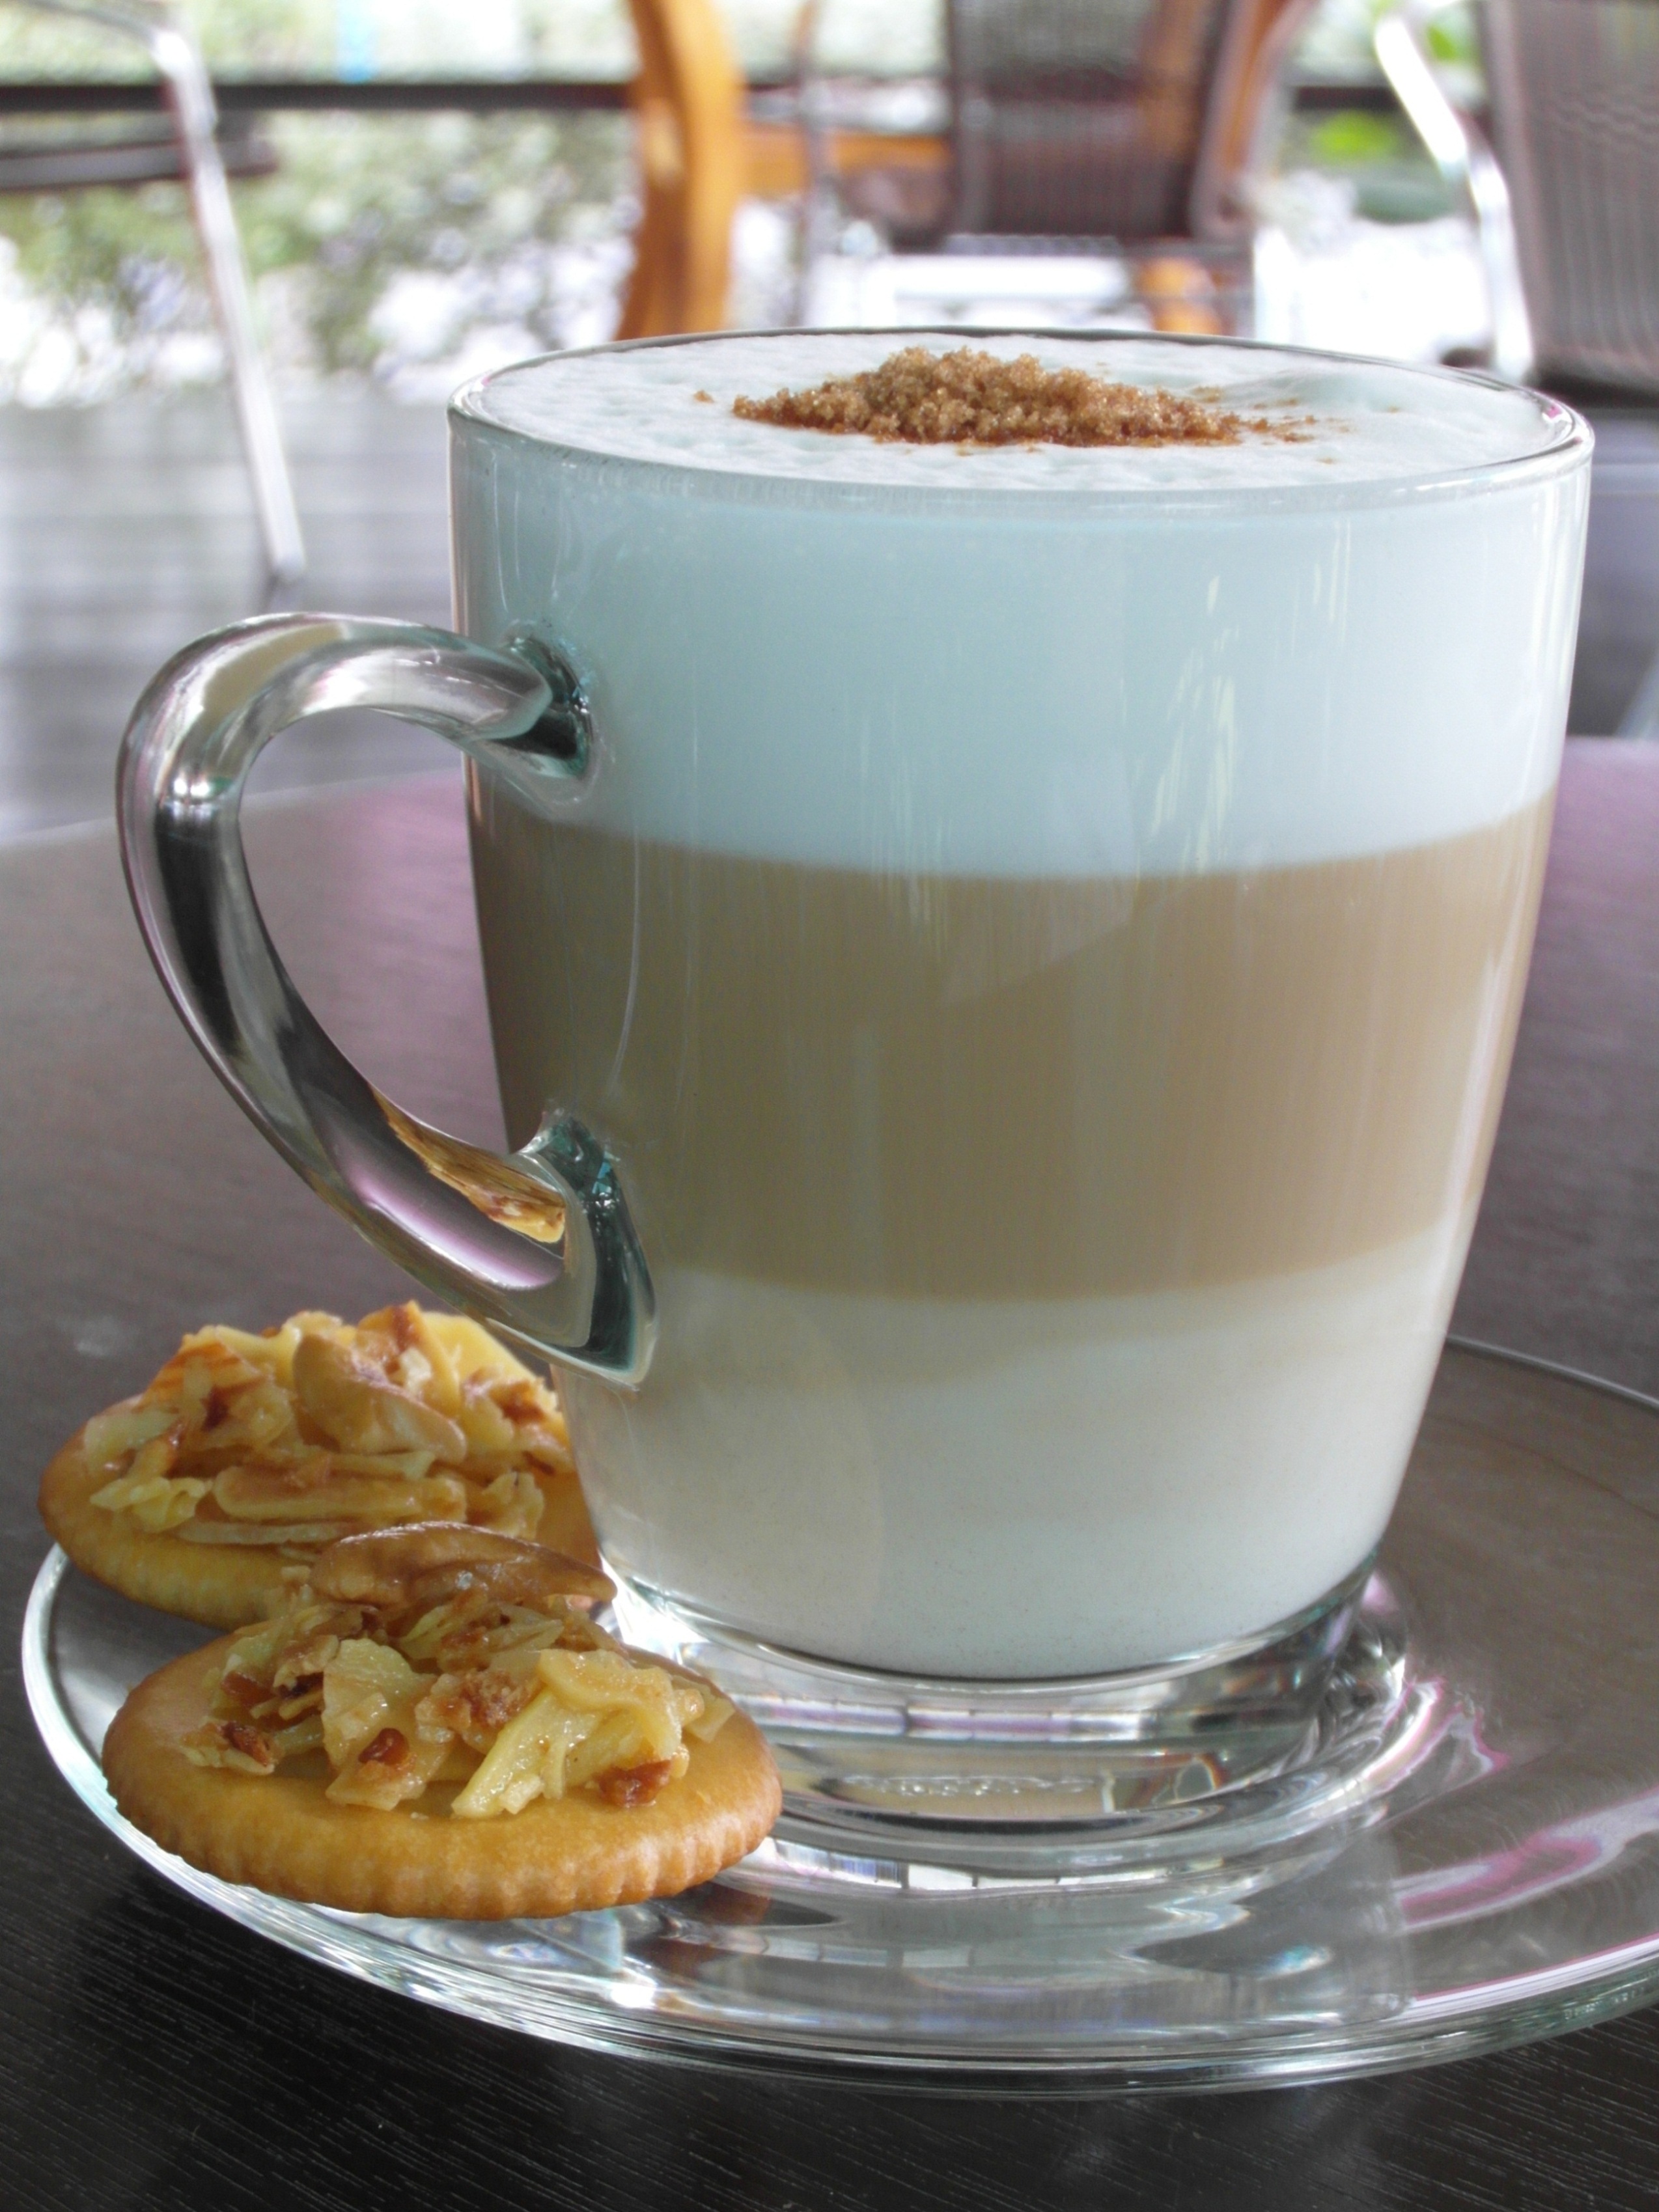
(973, 399)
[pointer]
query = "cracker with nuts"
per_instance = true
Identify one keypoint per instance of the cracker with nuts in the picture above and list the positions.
(434, 1726)
(207, 1493)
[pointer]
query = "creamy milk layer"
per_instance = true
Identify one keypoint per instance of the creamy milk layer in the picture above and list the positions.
(1010, 1489)
(934, 668)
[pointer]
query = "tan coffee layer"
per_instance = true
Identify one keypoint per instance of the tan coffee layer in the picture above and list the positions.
(993, 1087)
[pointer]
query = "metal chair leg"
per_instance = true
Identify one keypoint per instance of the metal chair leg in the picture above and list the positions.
(1459, 152)
(190, 98)
(190, 95)
(1641, 717)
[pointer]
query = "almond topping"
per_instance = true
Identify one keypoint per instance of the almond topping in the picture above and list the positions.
(426, 1564)
(634, 1785)
(315, 1429)
(444, 1649)
(389, 1748)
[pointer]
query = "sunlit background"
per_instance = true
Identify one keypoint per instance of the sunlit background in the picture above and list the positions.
(410, 250)
(425, 189)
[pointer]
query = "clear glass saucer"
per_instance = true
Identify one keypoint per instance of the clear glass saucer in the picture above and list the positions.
(1467, 1857)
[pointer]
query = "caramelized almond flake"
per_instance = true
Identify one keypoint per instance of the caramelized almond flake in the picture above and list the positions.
(291, 1438)
(634, 1785)
(232, 1743)
(511, 1698)
(423, 1565)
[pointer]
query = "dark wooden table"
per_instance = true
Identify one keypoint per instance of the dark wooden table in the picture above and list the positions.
(154, 2055)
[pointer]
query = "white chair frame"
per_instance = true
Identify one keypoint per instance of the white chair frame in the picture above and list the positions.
(189, 94)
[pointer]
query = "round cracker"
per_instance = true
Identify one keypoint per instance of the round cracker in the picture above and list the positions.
(228, 1585)
(280, 1832)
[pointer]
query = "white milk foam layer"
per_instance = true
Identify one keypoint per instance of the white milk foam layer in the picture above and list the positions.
(918, 662)
(1374, 423)
(1005, 1488)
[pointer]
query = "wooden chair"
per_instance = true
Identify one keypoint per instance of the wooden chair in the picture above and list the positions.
(688, 112)
(1240, 111)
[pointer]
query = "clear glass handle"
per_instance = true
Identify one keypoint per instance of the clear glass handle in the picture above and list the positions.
(539, 1244)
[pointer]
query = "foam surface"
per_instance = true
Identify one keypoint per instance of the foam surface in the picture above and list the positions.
(1376, 423)
(1302, 663)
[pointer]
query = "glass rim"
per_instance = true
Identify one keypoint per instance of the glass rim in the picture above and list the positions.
(1566, 441)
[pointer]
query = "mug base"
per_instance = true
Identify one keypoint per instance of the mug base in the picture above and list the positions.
(858, 1749)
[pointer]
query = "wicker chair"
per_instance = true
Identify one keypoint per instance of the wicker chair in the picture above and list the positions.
(1574, 86)
(1079, 118)
(1126, 120)
(1572, 225)
(1574, 101)
(1128, 125)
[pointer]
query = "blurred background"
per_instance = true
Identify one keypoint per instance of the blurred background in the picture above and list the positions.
(408, 249)
(210, 404)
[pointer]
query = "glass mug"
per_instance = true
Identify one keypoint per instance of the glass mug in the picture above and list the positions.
(1003, 968)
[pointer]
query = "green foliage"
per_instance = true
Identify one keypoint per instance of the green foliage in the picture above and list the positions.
(100, 249)
(357, 201)
(1453, 37)
(254, 37)
(1377, 155)
(1355, 138)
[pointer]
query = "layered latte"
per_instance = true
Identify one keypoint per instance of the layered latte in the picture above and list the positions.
(1041, 934)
